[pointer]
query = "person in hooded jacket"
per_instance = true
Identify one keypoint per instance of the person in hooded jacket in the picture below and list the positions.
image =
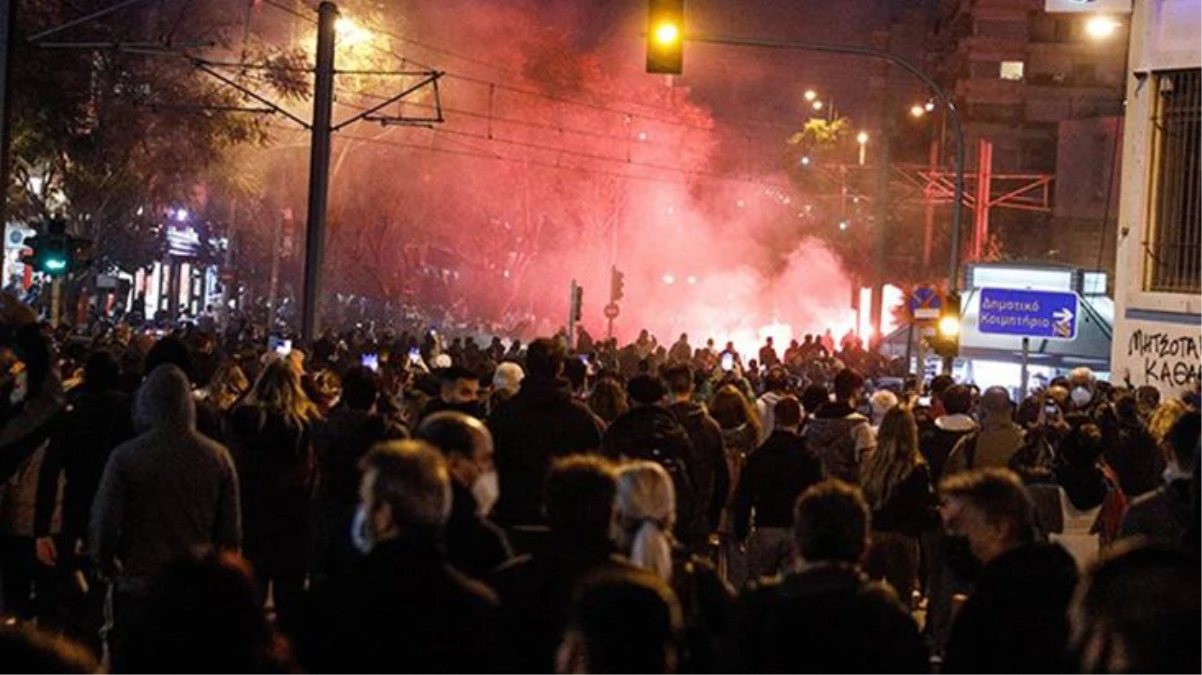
(166, 493)
(530, 430)
(840, 436)
(649, 431)
(711, 475)
(776, 387)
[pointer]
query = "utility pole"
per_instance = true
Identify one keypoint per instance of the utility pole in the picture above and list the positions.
(319, 166)
(881, 201)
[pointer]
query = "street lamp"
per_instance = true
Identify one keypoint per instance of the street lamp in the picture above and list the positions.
(1100, 27)
(862, 139)
(918, 110)
(810, 95)
(817, 105)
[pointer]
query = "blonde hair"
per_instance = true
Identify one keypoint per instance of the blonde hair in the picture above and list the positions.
(227, 385)
(1164, 417)
(279, 388)
(895, 457)
(646, 502)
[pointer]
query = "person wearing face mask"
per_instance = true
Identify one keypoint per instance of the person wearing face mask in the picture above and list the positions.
(1082, 391)
(1164, 514)
(403, 608)
(474, 544)
(1015, 619)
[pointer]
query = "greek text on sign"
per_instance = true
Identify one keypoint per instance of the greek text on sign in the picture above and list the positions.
(1050, 315)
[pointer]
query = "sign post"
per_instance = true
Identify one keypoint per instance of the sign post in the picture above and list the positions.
(1046, 315)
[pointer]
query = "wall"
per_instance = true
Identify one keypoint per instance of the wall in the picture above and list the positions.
(1156, 335)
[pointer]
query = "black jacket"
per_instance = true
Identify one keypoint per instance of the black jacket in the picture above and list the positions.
(275, 472)
(403, 609)
(1130, 449)
(912, 507)
(535, 593)
(474, 545)
(1164, 514)
(775, 475)
(339, 444)
(1016, 619)
(83, 436)
(828, 619)
(652, 433)
(710, 473)
(540, 423)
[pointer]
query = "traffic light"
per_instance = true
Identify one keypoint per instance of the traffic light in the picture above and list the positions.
(616, 284)
(577, 303)
(946, 341)
(665, 36)
(54, 252)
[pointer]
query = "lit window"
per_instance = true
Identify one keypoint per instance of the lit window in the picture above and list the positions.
(1011, 70)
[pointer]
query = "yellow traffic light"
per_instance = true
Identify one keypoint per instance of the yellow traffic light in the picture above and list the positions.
(665, 36)
(949, 326)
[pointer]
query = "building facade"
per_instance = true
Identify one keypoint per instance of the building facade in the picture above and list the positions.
(1158, 288)
(1048, 95)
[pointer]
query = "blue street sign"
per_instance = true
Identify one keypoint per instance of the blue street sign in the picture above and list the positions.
(1049, 315)
(925, 303)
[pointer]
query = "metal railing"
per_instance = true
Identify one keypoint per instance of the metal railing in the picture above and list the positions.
(1173, 245)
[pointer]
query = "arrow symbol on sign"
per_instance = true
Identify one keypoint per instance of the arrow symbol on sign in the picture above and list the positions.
(1063, 315)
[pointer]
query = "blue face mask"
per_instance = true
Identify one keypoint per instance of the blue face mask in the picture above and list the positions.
(361, 534)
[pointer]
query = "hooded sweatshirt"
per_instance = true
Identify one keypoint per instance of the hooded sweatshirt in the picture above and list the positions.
(165, 493)
(841, 437)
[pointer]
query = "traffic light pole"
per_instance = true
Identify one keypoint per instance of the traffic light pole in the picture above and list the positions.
(319, 166)
(953, 276)
(56, 301)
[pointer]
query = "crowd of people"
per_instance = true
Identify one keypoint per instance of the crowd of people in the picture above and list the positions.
(193, 502)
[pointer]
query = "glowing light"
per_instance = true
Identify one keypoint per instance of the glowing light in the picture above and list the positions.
(642, 135)
(810, 95)
(862, 137)
(843, 225)
(949, 326)
(669, 279)
(929, 106)
(56, 264)
(350, 33)
(805, 161)
(181, 215)
(740, 203)
(817, 105)
(667, 33)
(691, 280)
(918, 110)
(1100, 27)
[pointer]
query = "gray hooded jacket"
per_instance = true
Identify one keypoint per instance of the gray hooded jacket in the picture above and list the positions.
(168, 492)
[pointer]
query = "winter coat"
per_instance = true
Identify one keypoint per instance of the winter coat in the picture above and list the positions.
(912, 506)
(840, 437)
(403, 609)
(539, 424)
(474, 545)
(652, 433)
(1163, 514)
(990, 447)
(826, 619)
(165, 493)
(710, 473)
(1015, 621)
(775, 476)
(937, 440)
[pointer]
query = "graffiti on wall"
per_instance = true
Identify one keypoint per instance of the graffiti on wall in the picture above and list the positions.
(1163, 359)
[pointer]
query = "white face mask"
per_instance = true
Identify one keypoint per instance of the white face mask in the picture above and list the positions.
(487, 490)
(1081, 397)
(362, 535)
(20, 388)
